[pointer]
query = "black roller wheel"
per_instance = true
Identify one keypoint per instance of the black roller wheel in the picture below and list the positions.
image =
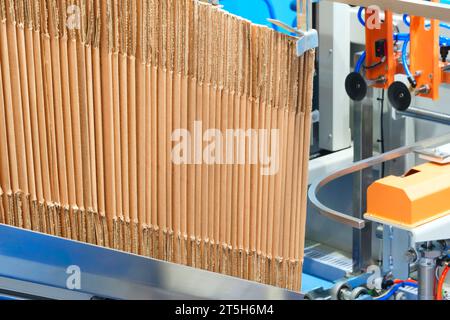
(399, 96)
(356, 86)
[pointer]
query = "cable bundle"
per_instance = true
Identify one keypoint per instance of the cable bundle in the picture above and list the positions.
(93, 94)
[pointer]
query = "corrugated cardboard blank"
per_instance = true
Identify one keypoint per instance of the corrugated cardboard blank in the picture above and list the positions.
(92, 93)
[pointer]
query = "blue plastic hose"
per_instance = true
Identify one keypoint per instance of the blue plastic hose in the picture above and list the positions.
(360, 17)
(391, 292)
(444, 41)
(272, 14)
(401, 36)
(405, 37)
(395, 288)
(404, 60)
(360, 62)
(405, 20)
(408, 23)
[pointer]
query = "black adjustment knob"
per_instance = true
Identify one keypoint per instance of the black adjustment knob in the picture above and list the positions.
(356, 86)
(399, 96)
(444, 53)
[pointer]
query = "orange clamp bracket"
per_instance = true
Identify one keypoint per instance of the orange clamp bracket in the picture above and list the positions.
(425, 57)
(379, 36)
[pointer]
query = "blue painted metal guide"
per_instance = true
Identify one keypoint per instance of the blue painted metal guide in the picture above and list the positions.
(44, 260)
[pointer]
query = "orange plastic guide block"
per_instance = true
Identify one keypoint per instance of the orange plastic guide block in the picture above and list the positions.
(420, 196)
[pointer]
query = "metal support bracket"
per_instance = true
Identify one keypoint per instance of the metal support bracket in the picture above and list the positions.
(307, 39)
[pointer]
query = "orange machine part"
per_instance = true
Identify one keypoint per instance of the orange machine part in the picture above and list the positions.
(445, 78)
(374, 34)
(425, 56)
(422, 195)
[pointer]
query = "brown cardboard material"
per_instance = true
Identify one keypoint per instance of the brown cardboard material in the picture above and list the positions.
(88, 110)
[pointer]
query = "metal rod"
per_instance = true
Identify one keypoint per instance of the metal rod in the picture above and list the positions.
(426, 115)
(363, 149)
(347, 219)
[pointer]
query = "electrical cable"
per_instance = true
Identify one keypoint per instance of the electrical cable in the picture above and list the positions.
(412, 282)
(436, 273)
(383, 150)
(439, 295)
(362, 58)
(387, 295)
(397, 29)
(373, 66)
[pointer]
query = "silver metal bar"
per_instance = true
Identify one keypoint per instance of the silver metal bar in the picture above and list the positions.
(333, 23)
(347, 219)
(282, 25)
(427, 115)
(363, 149)
(309, 15)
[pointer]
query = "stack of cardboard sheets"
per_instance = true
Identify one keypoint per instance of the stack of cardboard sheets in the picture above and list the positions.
(167, 128)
